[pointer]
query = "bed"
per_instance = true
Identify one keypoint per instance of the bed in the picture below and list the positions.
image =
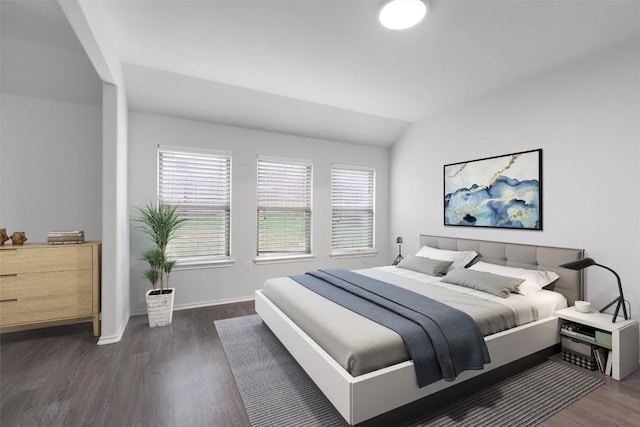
(359, 385)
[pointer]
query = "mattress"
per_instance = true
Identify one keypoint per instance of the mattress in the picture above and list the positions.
(360, 345)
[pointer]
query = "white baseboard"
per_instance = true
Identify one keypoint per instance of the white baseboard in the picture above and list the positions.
(198, 305)
(112, 339)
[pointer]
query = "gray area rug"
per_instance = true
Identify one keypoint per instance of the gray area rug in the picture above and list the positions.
(277, 392)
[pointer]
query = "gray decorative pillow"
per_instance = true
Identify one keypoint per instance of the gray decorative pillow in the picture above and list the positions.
(432, 267)
(491, 283)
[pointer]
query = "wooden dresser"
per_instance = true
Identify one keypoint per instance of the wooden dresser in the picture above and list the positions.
(42, 284)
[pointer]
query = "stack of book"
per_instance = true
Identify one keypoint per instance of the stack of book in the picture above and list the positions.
(65, 237)
(603, 359)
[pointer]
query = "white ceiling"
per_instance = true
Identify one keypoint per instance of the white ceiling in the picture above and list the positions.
(38, 21)
(327, 69)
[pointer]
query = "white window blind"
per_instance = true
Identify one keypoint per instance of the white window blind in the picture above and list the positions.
(352, 207)
(284, 207)
(199, 184)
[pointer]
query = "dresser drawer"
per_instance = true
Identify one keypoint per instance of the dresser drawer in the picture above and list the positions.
(44, 259)
(36, 297)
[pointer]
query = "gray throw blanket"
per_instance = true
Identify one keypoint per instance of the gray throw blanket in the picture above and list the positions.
(442, 341)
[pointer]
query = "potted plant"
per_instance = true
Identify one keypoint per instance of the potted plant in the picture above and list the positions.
(159, 223)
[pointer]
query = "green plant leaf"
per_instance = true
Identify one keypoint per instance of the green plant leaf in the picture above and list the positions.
(160, 224)
(152, 276)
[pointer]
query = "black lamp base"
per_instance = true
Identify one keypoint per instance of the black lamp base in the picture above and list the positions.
(620, 302)
(398, 259)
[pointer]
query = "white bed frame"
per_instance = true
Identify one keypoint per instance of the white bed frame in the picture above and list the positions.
(366, 396)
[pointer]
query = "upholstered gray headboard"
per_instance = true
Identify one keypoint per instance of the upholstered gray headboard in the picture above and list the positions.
(570, 283)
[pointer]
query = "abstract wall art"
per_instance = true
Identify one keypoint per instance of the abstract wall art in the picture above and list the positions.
(501, 192)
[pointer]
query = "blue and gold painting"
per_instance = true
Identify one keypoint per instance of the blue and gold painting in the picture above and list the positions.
(503, 192)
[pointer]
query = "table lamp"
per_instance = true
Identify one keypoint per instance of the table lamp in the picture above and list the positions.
(399, 258)
(587, 262)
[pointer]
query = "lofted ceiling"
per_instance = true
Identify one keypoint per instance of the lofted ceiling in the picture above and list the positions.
(41, 56)
(327, 69)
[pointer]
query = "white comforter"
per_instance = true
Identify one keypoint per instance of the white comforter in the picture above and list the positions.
(360, 345)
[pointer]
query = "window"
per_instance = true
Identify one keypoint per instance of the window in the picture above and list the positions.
(199, 183)
(284, 207)
(352, 208)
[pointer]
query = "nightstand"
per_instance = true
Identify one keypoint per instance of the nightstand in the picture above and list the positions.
(623, 333)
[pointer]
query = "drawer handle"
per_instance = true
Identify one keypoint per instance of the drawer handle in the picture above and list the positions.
(9, 275)
(9, 300)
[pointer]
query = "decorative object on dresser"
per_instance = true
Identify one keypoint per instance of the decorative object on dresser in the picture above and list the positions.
(160, 224)
(500, 192)
(18, 238)
(42, 284)
(590, 340)
(399, 258)
(3, 236)
(587, 262)
(65, 237)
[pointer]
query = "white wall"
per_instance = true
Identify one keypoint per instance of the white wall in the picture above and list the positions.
(87, 21)
(50, 166)
(586, 118)
(115, 227)
(212, 285)
(39, 70)
(63, 162)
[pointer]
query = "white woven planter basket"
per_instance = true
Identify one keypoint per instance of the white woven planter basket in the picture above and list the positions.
(160, 308)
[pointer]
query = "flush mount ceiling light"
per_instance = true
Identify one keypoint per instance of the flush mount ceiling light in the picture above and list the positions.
(402, 14)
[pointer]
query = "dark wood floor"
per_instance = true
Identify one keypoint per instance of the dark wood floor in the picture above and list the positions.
(170, 376)
(177, 376)
(616, 403)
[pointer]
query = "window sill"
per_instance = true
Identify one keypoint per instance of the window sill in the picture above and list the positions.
(279, 259)
(194, 265)
(353, 254)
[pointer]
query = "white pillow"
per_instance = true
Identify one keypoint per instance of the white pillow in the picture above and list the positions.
(534, 280)
(459, 258)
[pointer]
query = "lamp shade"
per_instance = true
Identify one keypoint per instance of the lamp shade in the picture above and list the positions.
(579, 264)
(399, 240)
